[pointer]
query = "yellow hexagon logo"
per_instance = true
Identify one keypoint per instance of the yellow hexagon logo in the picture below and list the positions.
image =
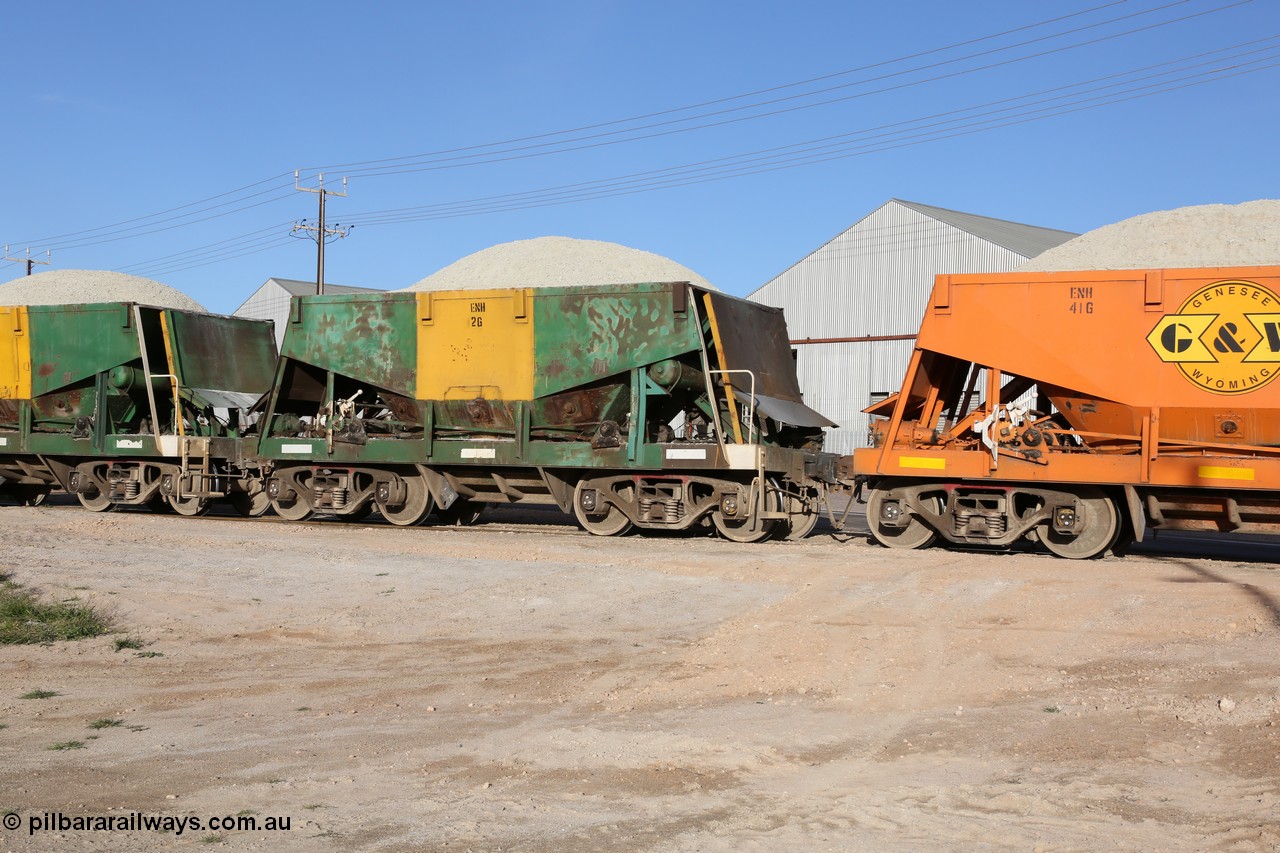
(1225, 338)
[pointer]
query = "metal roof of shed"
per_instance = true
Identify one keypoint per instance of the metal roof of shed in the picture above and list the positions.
(307, 288)
(1026, 240)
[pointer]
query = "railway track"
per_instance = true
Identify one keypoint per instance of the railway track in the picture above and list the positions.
(545, 521)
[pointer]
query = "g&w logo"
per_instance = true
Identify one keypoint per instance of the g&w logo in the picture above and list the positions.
(1225, 338)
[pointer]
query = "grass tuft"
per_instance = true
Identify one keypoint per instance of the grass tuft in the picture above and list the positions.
(128, 643)
(25, 619)
(40, 694)
(106, 723)
(67, 744)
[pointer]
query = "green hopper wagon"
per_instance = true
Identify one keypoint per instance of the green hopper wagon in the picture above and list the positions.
(659, 406)
(122, 403)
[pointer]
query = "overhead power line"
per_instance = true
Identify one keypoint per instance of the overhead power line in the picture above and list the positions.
(880, 138)
(94, 231)
(579, 142)
(1230, 62)
(750, 106)
(193, 213)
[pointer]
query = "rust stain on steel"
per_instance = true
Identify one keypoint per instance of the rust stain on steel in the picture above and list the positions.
(475, 412)
(63, 403)
(480, 412)
(402, 408)
(573, 407)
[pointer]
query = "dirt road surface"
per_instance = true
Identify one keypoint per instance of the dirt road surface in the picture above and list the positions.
(527, 687)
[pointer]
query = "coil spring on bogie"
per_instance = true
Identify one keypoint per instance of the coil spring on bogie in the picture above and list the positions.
(995, 522)
(132, 489)
(646, 504)
(671, 510)
(340, 498)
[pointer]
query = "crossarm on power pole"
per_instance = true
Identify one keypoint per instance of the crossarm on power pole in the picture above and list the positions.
(28, 260)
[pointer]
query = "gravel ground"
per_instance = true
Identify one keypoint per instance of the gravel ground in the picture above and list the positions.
(1208, 235)
(556, 262)
(70, 287)
(522, 686)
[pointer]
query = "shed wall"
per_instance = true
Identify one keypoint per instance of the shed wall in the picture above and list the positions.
(269, 302)
(874, 279)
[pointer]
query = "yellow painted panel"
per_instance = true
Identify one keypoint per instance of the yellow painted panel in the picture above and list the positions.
(15, 354)
(475, 343)
(926, 462)
(1208, 472)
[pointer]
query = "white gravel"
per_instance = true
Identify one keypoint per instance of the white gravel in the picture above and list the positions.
(72, 287)
(1207, 235)
(556, 262)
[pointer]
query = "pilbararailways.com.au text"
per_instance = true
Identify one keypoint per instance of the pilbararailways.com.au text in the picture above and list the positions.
(140, 822)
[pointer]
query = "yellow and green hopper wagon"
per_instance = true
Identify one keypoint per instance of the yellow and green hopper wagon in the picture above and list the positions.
(122, 403)
(656, 405)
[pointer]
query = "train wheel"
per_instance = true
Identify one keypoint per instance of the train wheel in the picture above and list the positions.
(416, 506)
(802, 517)
(292, 510)
(800, 525)
(297, 508)
(916, 534)
(613, 522)
(461, 513)
(1099, 526)
(188, 506)
(95, 501)
(749, 529)
(250, 505)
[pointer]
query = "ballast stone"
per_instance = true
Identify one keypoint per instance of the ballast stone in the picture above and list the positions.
(78, 287)
(556, 262)
(1206, 235)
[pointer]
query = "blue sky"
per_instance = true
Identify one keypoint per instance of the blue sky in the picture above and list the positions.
(160, 139)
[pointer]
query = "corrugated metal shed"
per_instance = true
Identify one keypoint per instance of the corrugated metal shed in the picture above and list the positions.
(271, 300)
(872, 281)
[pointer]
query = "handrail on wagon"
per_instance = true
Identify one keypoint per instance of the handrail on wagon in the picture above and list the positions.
(751, 411)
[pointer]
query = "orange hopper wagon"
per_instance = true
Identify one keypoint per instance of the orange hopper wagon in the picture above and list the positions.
(1078, 409)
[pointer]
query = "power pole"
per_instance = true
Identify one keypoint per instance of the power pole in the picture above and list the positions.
(30, 262)
(321, 233)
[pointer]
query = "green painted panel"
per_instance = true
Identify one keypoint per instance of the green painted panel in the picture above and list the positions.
(71, 343)
(369, 337)
(53, 444)
(223, 353)
(584, 334)
(308, 450)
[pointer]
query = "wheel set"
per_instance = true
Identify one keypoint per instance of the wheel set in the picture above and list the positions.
(1077, 522)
